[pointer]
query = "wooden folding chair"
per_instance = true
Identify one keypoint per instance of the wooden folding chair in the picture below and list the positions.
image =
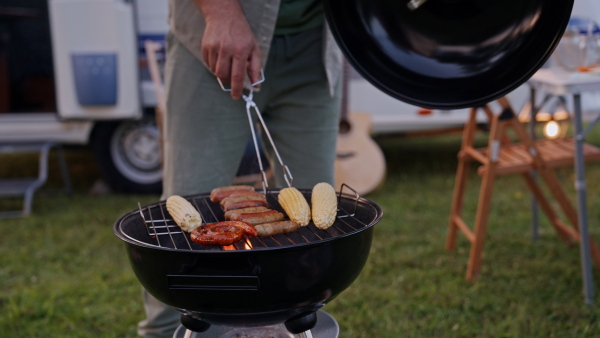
(504, 157)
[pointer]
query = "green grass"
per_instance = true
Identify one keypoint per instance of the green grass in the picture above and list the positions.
(63, 273)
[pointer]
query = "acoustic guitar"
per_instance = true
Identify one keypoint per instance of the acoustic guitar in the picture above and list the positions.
(359, 163)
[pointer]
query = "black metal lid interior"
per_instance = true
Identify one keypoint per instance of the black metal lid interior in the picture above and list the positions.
(447, 54)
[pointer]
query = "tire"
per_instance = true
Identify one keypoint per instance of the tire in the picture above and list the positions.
(128, 155)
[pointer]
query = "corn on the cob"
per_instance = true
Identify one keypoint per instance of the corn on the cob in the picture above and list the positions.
(324, 205)
(183, 213)
(295, 205)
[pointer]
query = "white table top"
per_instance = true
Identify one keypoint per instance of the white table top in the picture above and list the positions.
(560, 82)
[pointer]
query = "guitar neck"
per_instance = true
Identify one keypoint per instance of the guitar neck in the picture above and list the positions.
(345, 89)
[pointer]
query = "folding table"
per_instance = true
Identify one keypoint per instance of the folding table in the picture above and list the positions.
(558, 82)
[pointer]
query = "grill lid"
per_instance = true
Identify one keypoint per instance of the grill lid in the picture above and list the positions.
(447, 54)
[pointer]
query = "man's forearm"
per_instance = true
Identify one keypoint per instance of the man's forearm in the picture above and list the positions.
(212, 9)
(229, 47)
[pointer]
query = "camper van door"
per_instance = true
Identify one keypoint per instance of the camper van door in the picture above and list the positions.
(95, 59)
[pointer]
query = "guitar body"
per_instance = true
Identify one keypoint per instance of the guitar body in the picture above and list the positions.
(359, 163)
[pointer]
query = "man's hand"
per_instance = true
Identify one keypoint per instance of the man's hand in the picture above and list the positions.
(229, 47)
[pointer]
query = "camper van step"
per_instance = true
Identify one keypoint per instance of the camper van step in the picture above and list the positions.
(25, 187)
(24, 147)
(17, 187)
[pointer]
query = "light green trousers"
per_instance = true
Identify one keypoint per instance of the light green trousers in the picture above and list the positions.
(206, 132)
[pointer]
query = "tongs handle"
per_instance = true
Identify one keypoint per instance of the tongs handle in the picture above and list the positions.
(252, 85)
(287, 175)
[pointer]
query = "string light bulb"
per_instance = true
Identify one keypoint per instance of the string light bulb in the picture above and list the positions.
(552, 129)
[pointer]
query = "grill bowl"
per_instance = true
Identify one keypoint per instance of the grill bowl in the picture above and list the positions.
(252, 287)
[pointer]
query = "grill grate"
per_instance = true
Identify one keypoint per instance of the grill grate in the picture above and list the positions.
(161, 231)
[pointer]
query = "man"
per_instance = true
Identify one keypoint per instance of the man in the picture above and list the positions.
(206, 129)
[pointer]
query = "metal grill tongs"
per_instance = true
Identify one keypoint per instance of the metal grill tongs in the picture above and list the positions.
(287, 175)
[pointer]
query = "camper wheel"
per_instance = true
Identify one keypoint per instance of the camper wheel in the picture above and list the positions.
(128, 155)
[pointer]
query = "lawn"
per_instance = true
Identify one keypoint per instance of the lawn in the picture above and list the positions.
(63, 273)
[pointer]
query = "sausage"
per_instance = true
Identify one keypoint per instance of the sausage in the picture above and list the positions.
(237, 193)
(217, 194)
(245, 204)
(276, 228)
(231, 213)
(244, 197)
(218, 197)
(222, 233)
(255, 218)
(248, 228)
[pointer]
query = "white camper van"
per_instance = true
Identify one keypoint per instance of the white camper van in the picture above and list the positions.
(75, 72)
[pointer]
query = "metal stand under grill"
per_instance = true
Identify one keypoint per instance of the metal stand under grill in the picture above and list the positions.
(326, 327)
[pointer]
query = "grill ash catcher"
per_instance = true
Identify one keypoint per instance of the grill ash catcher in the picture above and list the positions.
(261, 286)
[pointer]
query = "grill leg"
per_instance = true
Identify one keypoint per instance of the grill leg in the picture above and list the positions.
(302, 324)
(306, 334)
(194, 324)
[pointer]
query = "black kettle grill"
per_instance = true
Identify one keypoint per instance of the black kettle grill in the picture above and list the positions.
(256, 282)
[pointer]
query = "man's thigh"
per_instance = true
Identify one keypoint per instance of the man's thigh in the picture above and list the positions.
(301, 113)
(205, 131)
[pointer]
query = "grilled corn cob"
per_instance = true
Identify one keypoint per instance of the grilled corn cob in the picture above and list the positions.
(324, 205)
(295, 205)
(183, 213)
